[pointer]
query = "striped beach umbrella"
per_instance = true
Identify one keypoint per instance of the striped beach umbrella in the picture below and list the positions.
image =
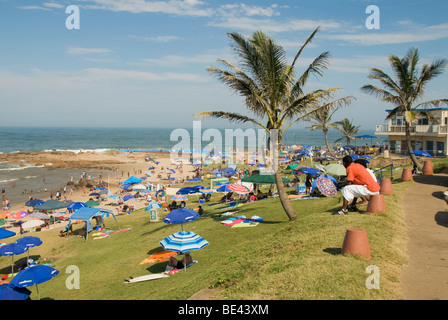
(179, 198)
(238, 188)
(183, 241)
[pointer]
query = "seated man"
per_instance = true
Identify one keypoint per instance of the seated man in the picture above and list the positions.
(173, 263)
(360, 183)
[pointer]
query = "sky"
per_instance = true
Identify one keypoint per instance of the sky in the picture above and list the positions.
(143, 63)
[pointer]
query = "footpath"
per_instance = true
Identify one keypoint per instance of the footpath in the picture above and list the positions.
(426, 215)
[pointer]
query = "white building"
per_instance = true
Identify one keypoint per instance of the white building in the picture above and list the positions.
(426, 134)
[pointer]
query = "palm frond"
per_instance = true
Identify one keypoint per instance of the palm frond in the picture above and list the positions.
(229, 116)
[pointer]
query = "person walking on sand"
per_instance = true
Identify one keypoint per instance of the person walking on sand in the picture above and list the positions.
(360, 183)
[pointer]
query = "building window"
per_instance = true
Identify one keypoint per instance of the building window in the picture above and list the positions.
(423, 121)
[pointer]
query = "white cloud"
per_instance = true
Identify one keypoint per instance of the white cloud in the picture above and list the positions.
(411, 35)
(53, 5)
(159, 39)
(32, 8)
(270, 25)
(86, 51)
(175, 7)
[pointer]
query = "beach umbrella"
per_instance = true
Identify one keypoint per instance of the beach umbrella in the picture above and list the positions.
(128, 197)
(179, 198)
(153, 205)
(336, 169)
(325, 186)
(238, 188)
(186, 190)
(139, 187)
(51, 205)
(6, 233)
(206, 191)
(421, 153)
(76, 205)
(33, 202)
(20, 214)
(311, 171)
(183, 241)
(29, 242)
(11, 293)
(33, 275)
(320, 167)
(224, 188)
(94, 194)
(92, 203)
(114, 197)
(39, 215)
(181, 216)
(12, 249)
(354, 156)
(32, 224)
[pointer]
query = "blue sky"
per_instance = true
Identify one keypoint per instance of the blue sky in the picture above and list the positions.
(143, 63)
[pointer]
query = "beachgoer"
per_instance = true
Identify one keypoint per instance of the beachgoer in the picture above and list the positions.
(308, 183)
(173, 263)
(200, 211)
(360, 183)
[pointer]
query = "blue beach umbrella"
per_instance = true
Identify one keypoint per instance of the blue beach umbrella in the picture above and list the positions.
(33, 275)
(12, 249)
(153, 205)
(224, 188)
(29, 242)
(421, 153)
(354, 156)
(76, 205)
(94, 194)
(311, 171)
(181, 216)
(186, 190)
(6, 233)
(11, 293)
(183, 241)
(33, 202)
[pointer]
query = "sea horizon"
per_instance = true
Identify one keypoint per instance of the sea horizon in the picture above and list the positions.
(104, 139)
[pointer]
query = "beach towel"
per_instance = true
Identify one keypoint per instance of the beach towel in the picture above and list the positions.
(102, 237)
(253, 219)
(231, 220)
(245, 225)
(158, 257)
(177, 270)
(127, 229)
(228, 213)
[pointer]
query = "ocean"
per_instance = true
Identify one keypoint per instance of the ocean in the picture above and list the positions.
(22, 182)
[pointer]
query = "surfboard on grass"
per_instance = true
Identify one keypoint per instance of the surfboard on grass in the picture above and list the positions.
(147, 278)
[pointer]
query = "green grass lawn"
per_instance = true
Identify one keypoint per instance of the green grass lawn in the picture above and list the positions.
(277, 259)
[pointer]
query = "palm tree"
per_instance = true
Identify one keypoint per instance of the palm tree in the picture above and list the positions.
(407, 89)
(348, 129)
(272, 93)
(321, 119)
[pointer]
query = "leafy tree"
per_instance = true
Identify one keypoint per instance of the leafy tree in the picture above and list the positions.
(272, 92)
(407, 89)
(348, 129)
(321, 119)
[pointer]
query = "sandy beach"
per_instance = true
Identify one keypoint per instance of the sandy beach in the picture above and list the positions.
(119, 166)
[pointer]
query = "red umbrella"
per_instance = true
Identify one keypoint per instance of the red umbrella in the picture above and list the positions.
(20, 215)
(238, 188)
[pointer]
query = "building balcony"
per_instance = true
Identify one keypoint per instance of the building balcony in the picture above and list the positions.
(426, 130)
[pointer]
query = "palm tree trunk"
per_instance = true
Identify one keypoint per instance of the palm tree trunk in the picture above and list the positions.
(327, 144)
(409, 145)
(286, 204)
(284, 200)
